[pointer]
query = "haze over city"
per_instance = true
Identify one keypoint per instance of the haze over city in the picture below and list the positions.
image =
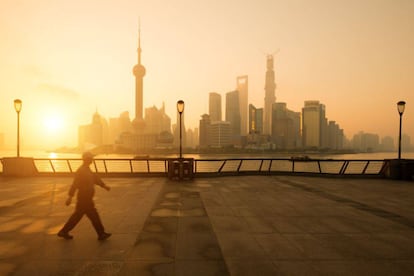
(66, 60)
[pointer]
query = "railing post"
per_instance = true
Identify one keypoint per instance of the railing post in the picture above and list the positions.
(51, 164)
(96, 167)
(130, 165)
(344, 167)
(365, 168)
(70, 167)
(238, 168)
(222, 165)
(261, 164)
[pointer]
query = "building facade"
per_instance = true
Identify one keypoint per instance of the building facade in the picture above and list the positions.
(243, 88)
(233, 115)
(204, 128)
(314, 125)
(255, 120)
(285, 127)
(219, 134)
(214, 106)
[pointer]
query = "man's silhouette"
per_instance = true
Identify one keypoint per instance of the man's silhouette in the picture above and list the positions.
(84, 183)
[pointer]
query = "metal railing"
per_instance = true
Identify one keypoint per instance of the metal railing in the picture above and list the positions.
(289, 166)
(216, 167)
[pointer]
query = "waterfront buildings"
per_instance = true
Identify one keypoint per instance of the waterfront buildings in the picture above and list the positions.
(387, 143)
(272, 127)
(214, 134)
(233, 116)
(285, 127)
(219, 134)
(255, 120)
(365, 142)
(242, 87)
(335, 136)
(94, 134)
(156, 121)
(119, 125)
(270, 98)
(256, 139)
(204, 127)
(313, 124)
(214, 106)
(192, 138)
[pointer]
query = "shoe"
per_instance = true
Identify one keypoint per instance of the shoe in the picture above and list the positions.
(64, 235)
(104, 236)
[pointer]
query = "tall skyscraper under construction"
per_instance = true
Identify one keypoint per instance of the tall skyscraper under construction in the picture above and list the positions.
(270, 98)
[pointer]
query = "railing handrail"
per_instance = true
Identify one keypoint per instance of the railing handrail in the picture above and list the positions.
(216, 167)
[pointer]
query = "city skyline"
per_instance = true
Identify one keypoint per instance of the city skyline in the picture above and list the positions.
(65, 71)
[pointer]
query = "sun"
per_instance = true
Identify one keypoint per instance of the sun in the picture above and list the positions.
(53, 124)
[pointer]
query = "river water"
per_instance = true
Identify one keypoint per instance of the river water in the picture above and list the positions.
(358, 156)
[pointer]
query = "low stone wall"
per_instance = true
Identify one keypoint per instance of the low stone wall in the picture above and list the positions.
(19, 166)
(402, 169)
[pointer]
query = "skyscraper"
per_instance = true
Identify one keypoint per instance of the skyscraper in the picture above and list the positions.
(156, 121)
(255, 120)
(219, 134)
(270, 98)
(139, 73)
(204, 140)
(214, 106)
(233, 113)
(285, 127)
(242, 87)
(314, 124)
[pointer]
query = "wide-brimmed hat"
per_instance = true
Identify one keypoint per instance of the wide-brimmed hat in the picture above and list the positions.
(87, 155)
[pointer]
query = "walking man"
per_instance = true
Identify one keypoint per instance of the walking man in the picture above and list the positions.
(84, 183)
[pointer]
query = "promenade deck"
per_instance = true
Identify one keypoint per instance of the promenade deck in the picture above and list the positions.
(246, 225)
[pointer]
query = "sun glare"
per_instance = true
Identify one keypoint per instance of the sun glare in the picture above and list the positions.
(53, 124)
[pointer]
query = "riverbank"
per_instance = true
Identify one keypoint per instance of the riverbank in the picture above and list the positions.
(173, 154)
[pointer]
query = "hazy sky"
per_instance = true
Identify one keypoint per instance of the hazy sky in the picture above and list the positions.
(67, 59)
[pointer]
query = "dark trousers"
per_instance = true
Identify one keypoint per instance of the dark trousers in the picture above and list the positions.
(84, 209)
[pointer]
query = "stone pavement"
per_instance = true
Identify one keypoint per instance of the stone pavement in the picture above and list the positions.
(250, 225)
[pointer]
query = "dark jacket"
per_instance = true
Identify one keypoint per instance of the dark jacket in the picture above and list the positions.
(85, 181)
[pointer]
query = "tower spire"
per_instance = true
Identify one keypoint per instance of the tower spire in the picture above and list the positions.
(139, 41)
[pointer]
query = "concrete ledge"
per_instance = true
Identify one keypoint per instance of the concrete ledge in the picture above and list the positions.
(19, 166)
(399, 169)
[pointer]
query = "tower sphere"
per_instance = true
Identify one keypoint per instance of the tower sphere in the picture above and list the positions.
(139, 70)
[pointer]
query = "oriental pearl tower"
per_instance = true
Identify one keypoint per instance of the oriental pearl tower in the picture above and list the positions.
(139, 73)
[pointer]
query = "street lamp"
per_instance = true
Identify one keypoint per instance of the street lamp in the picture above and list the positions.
(18, 108)
(180, 109)
(400, 107)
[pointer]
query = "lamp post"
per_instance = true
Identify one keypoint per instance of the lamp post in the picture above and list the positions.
(400, 107)
(180, 109)
(18, 108)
